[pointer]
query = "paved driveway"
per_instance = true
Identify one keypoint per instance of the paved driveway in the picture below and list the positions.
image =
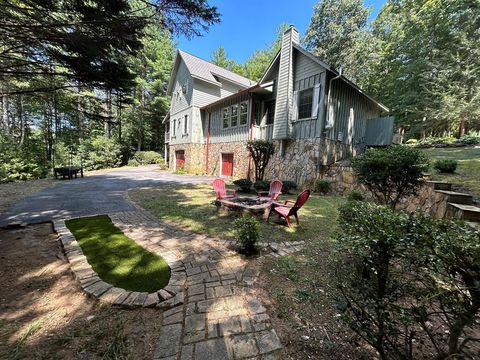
(103, 193)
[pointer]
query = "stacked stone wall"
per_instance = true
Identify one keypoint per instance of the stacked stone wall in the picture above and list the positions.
(194, 157)
(241, 158)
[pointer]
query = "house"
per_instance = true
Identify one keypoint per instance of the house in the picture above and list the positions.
(314, 116)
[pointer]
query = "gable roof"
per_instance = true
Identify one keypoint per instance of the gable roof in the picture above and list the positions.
(206, 71)
(328, 68)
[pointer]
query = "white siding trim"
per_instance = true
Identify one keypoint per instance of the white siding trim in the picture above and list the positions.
(315, 102)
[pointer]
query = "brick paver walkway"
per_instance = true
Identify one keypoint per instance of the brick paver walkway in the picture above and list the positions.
(217, 317)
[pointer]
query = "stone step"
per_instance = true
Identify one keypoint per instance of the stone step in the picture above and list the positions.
(440, 185)
(475, 225)
(456, 197)
(462, 211)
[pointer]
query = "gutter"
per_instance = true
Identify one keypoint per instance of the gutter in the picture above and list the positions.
(208, 143)
(329, 97)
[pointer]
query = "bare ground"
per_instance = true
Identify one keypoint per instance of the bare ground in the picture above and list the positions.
(44, 314)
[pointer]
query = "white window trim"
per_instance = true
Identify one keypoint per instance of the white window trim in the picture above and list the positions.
(297, 99)
(185, 125)
(223, 117)
(231, 117)
(240, 113)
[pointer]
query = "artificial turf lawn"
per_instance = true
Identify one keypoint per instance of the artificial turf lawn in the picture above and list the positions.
(116, 258)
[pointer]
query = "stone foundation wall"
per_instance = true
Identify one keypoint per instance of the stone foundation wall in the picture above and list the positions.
(427, 200)
(297, 161)
(241, 158)
(194, 157)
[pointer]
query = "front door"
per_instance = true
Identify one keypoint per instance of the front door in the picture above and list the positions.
(180, 159)
(227, 164)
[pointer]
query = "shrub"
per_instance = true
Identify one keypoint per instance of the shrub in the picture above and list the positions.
(355, 195)
(247, 233)
(163, 166)
(288, 185)
(391, 173)
(101, 153)
(371, 284)
(133, 162)
(148, 157)
(399, 273)
(263, 185)
(322, 186)
(472, 138)
(445, 166)
(261, 152)
(243, 184)
(21, 162)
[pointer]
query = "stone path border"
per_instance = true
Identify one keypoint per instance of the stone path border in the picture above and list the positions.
(171, 295)
(212, 312)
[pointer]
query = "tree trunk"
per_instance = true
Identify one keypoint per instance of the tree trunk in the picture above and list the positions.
(461, 128)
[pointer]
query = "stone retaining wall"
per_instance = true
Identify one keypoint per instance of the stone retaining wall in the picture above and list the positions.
(428, 200)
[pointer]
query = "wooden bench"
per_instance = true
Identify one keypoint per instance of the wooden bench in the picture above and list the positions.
(68, 172)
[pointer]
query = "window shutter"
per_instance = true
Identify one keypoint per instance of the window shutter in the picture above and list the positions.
(295, 106)
(316, 99)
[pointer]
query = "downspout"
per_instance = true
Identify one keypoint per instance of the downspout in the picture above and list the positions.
(330, 93)
(208, 143)
(250, 136)
(329, 97)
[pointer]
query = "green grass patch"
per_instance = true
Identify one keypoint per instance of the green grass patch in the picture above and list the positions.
(467, 174)
(192, 207)
(116, 258)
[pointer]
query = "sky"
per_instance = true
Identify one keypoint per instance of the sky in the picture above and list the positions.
(248, 25)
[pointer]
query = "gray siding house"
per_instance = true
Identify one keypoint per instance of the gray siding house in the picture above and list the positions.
(314, 116)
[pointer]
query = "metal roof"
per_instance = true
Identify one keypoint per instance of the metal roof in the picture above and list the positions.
(206, 71)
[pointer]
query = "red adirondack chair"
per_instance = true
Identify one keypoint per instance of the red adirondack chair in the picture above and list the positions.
(221, 191)
(285, 211)
(274, 192)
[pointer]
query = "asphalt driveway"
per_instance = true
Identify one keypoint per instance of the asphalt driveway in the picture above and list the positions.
(98, 194)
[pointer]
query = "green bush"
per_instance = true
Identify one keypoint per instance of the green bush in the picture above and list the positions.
(445, 166)
(398, 273)
(21, 162)
(472, 138)
(322, 186)
(355, 195)
(163, 166)
(148, 157)
(101, 153)
(391, 173)
(288, 185)
(243, 184)
(263, 185)
(247, 233)
(133, 162)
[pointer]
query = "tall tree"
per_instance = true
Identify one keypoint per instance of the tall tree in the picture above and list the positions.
(86, 40)
(335, 31)
(429, 65)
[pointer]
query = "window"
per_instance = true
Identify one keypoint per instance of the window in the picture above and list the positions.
(270, 109)
(305, 100)
(234, 115)
(243, 113)
(226, 117)
(185, 124)
(174, 127)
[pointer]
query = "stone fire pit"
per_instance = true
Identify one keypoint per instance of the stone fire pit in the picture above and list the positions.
(246, 205)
